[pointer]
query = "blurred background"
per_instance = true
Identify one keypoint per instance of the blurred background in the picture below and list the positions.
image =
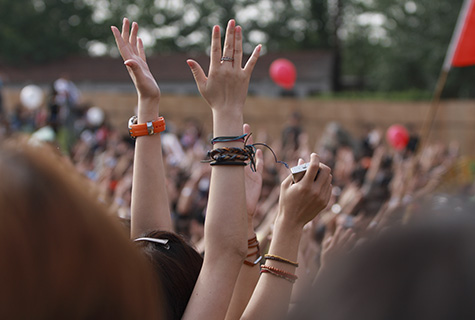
(360, 63)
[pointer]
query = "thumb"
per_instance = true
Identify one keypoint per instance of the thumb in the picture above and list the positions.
(132, 64)
(259, 161)
(198, 73)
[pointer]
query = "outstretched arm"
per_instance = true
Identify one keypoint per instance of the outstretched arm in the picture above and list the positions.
(225, 90)
(150, 209)
(249, 274)
(299, 203)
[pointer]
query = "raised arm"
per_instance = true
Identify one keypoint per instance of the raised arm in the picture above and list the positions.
(150, 209)
(249, 274)
(225, 90)
(298, 204)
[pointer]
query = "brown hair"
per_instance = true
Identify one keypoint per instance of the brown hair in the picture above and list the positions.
(177, 266)
(61, 255)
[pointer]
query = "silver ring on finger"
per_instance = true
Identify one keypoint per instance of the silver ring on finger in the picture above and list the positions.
(230, 59)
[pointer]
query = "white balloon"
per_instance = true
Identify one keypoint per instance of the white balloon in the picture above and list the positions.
(45, 134)
(31, 96)
(95, 116)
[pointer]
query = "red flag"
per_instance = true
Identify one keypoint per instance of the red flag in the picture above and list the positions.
(461, 51)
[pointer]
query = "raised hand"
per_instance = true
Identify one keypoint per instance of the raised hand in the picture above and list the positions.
(227, 81)
(300, 202)
(149, 205)
(132, 51)
(341, 242)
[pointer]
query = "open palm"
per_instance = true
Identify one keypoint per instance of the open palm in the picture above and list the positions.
(132, 51)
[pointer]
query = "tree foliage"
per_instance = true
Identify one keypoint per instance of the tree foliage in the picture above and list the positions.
(407, 49)
(41, 30)
(387, 45)
(178, 25)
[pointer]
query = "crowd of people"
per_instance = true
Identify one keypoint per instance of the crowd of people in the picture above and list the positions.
(222, 229)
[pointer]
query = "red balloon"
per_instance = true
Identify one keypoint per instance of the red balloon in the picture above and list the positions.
(397, 136)
(283, 73)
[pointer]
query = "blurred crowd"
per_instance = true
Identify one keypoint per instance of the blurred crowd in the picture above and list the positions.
(372, 182)
(374, 186)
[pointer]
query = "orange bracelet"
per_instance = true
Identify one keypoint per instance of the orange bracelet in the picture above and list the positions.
(144, 129)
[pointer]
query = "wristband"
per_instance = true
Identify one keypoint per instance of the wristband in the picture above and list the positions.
(143, 129)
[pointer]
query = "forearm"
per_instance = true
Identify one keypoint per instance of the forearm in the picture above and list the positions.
(227, 199)
(247, 279)
(271, 297)
(225, 232)
(149, 209)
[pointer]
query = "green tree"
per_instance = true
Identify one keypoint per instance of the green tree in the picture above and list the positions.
(406, 50)
(41, 30)
(185, 25)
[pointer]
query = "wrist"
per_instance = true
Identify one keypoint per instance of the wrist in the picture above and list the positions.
(287, 226)
(148, 109)
(250, 232)
(230, 115)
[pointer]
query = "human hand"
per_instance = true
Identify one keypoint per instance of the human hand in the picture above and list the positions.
(253, 180)
(341, 242)
(132, 51)
(300, 202)
(225, 88)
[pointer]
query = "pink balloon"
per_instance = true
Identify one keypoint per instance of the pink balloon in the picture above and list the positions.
(397, 136)
(283, 73)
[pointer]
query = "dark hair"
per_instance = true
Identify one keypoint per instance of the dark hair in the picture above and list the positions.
(419, 272)
(61, 255)
(177, 267)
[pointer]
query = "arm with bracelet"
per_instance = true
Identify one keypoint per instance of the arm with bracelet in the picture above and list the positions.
(299, 203)
(225, 90)
(249, 274)
(150, 209)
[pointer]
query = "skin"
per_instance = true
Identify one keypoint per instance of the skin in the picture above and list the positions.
(225, 90)
(299, 203)
(149, 208)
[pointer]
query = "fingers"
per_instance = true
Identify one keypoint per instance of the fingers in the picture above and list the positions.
(246, 129)
(141, 50)
(259, 161)
(238, 47)
(133, 36)
(117, 36)
(312, 169)
(215, 54)
(252, 60)
(198, 74)
(125, 29)
(287, 182)
(301, 161)
(323, 179)
(228, 50)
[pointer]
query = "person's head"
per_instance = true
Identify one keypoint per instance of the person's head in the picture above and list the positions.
(61, 255)
(418, 272)
(177, 266)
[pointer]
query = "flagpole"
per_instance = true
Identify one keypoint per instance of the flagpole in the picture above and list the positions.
(434, 107)
(449, 59)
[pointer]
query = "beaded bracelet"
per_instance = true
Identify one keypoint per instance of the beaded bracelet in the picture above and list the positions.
(279, 273)
(280, 259)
